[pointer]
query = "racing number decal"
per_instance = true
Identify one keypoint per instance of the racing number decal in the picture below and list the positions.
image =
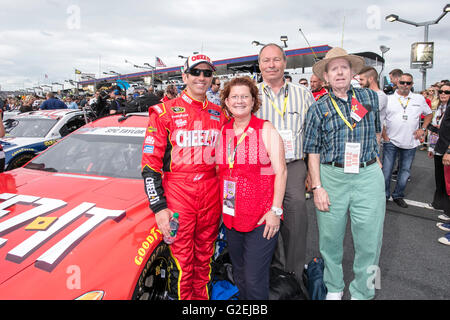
(55, 254)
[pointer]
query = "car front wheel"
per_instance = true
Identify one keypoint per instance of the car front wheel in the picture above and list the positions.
(158, 278)
(20, 160)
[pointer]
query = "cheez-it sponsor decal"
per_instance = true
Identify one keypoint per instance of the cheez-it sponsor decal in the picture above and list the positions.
(40, 207)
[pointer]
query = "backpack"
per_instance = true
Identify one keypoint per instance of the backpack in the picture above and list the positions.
(222, 286)
(224, 290)
(284, 286)
(313, 277)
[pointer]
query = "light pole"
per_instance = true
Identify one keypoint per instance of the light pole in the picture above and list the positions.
(383, 50)
(284, 39)
(426, 24)
(153, 72)
(257, 43)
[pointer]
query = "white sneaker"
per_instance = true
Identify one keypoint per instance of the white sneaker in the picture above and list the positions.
(334, 296)
(444, 217)
(444, 240)
(443, 226)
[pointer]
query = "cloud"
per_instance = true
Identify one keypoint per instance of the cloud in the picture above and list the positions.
(52, 37)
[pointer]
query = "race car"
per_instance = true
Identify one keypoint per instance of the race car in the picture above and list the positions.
(29, 133)
(75, 221)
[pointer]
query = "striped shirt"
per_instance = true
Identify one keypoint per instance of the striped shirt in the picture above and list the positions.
(326, 133)
(298, 100)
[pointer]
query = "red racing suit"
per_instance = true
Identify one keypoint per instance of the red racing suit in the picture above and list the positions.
(178, 168)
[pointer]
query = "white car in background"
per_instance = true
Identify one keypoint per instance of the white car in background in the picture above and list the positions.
(29, 133)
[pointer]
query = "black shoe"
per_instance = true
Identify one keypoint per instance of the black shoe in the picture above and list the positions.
(401, 203)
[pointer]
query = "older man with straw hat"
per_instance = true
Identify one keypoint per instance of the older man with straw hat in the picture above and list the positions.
(342, 136)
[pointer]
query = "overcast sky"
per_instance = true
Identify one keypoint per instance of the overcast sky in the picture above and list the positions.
(53, 37)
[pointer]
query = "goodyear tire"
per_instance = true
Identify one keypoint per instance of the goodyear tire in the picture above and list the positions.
(20, 160)
(158, 280)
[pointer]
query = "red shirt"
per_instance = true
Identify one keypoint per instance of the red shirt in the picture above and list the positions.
(252, 172)
(165, 99)
(318, 94)
(428, 101)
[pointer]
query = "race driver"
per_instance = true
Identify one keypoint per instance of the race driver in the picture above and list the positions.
(178, 168)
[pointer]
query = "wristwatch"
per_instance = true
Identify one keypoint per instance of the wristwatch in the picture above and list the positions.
(278, 211)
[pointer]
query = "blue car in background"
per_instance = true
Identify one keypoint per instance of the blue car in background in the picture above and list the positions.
(29, 133)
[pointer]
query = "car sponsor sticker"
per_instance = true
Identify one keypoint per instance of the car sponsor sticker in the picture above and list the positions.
(181, 122)
(157, 108)
(149, 140)
(115, 131)
(178, 109)
(149, 149)
(154, 236)
(36, 218)
(214, 112)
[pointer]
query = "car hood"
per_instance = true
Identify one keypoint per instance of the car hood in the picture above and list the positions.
(55, 224)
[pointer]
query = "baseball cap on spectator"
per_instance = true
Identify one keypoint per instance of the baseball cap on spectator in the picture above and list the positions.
(116, 90)
(192, 61)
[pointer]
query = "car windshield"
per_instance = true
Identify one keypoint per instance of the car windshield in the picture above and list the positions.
(103, 155)
(28, 127)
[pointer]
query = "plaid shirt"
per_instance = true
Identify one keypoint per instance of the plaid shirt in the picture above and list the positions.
(326, 133)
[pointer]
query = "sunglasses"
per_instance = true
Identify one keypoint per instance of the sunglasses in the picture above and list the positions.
(444, 91)
(408, 83)
(196, 72)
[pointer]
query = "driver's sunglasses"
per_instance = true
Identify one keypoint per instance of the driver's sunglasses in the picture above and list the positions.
(196, 72)
(444, 91)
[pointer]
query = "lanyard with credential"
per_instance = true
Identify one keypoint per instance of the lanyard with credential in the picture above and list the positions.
(286, 92)
(232, 157)
(336, 107)
(404, 106)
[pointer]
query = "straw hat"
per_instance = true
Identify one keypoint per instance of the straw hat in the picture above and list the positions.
(356, 62)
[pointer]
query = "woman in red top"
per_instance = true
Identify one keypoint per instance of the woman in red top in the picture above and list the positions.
(252, 171)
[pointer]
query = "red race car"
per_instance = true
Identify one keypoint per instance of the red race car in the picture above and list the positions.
(75, 222)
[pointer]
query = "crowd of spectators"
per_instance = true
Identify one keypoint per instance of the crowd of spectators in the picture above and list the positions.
(104, 101)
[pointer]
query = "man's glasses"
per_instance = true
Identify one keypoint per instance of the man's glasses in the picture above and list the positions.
(408, 83)
(444, 91)
(216, 84)
(196, 72)
(304, 83)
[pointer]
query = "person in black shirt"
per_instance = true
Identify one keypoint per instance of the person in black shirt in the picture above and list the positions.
(117, 104)
(144, 101)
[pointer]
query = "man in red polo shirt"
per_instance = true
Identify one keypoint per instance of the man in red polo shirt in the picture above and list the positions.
(317, 87)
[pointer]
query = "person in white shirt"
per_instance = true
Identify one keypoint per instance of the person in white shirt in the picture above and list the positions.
(401, 134)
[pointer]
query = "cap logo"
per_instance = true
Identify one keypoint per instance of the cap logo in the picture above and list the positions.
(200, 57)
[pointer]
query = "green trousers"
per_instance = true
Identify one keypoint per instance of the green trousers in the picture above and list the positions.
(363, 196)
